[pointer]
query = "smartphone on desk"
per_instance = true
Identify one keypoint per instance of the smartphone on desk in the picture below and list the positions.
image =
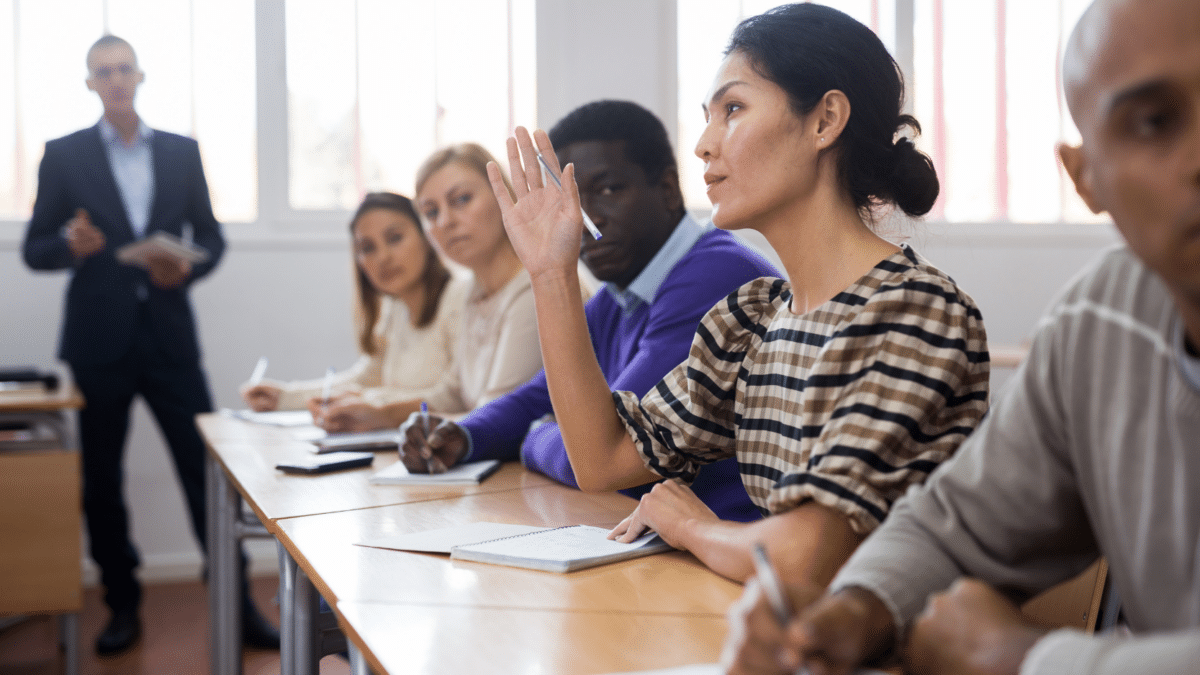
(334, 461)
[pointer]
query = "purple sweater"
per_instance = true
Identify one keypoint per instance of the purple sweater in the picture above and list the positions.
(635, 351)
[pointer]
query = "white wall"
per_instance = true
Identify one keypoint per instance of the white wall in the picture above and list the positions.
(287, 295)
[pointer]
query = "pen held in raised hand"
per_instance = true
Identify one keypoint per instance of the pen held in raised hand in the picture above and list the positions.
(587, 222)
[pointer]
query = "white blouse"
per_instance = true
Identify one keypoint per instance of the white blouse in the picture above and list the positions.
(410, 362)
(496, 349)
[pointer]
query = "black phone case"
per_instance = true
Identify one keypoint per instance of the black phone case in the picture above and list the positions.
(325, 464)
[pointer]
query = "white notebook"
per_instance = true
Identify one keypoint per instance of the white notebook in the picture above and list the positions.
(715, 669)
(551, 549)
(559, 549)
(387, 439)
(471, 473)
(446, 538)
(278, 418)
(138, 253)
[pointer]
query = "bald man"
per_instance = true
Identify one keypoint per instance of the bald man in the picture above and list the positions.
(1093, 450)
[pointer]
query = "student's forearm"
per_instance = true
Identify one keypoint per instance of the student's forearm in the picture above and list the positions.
(807, 545)
(397, 412)
(602, 455)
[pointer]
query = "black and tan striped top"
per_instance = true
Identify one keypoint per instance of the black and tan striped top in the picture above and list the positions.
(846, 405)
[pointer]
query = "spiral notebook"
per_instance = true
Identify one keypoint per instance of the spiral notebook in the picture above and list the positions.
(559, 549)
(551, 549)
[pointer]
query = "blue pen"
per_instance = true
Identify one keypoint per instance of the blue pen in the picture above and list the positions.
(425, 424)
(587, 222)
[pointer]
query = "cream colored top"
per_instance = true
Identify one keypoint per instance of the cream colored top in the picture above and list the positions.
(410, 361)
(496, 351)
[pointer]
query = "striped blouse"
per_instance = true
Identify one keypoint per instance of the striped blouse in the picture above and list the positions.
(847, 405)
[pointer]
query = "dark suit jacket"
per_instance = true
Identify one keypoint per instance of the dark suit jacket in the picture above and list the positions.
(102, 302)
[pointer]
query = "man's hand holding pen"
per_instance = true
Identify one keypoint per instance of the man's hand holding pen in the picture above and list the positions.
(828, 634)
(444, 446)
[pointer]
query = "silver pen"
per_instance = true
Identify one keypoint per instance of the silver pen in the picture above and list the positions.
(771, 586)
(259, 370)
(587, 222)
(326, 391)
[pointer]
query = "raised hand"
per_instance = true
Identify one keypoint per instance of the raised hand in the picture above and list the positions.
(545, 223)
(83, 238)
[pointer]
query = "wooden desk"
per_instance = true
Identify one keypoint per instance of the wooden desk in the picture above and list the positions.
(323, 547)
(419, 640)
(272, 494)
(317, 520)
(40, 519)
(241, 466)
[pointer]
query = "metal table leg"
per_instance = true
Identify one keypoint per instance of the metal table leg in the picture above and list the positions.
(225, 617)
(287, 614)
(305, 608)
(68, 635)
(358, 665)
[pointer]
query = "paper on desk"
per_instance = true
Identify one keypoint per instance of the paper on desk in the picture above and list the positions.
(442, 540)
(277, 418)
(715, 669)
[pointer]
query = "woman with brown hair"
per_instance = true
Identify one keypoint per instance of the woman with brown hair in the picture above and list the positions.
(407, 315)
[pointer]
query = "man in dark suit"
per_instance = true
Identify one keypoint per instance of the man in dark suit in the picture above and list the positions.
(128, 330)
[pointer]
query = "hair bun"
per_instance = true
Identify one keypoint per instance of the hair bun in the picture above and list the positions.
(913, 180)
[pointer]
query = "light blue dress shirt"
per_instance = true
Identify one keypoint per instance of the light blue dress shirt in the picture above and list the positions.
(644, 288)
(133, 168)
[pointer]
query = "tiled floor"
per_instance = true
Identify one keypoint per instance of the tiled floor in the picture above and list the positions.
(174, 637)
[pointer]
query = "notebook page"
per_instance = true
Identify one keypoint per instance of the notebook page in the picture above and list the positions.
(562, 544)
(442, 540)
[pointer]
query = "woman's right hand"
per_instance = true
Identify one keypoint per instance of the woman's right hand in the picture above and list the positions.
(261, 397)
(545, 224)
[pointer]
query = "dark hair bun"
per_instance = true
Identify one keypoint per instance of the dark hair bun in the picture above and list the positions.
(913, 180)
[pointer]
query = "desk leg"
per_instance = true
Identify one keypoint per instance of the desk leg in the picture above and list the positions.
(68, 627)
(358, 665)
(287, 613)
(224, 615)
(305, 608)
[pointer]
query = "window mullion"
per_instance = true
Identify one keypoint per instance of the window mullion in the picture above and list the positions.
(271, 87)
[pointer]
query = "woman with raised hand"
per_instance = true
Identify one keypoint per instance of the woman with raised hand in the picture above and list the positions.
(406, 315)
(837, 388)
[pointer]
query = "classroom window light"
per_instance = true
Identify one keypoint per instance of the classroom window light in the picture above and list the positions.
(200, 81)
(982, 81)
(375, 86)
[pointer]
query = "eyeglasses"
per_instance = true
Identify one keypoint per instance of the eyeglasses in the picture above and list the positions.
(104, 72)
